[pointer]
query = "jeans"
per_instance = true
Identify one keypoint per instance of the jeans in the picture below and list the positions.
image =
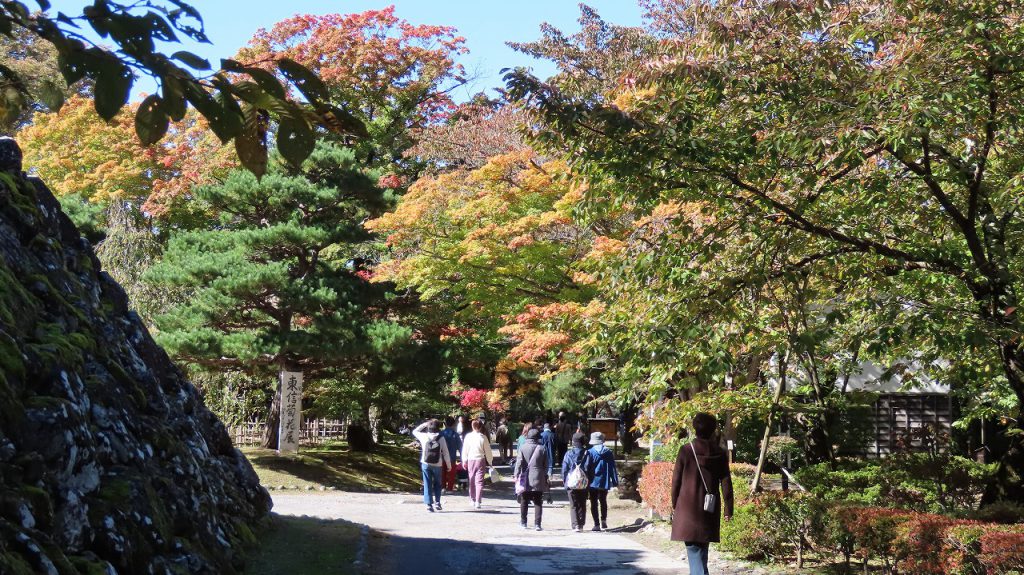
(697, 557)
(538, 506)
(578, 508)
(431, 483)
(599, 497)
(475, 468)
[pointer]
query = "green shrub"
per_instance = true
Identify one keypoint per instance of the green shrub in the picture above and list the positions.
(1007, 512)
(742, 535)
(917, 481)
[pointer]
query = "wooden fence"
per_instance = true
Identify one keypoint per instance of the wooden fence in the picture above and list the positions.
(311, 432)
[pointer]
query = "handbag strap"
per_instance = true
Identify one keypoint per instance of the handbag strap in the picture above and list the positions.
(699, 472)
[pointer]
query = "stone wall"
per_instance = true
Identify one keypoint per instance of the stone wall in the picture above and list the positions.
(109, 461)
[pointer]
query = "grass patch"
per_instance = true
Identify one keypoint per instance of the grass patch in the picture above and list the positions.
(305, 545)
(335, 466)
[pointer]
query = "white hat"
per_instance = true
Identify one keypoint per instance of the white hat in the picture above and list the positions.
(597, 438)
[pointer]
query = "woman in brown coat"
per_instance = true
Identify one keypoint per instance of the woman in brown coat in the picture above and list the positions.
(701, 468)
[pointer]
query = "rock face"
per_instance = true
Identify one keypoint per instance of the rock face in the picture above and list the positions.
(109, 461)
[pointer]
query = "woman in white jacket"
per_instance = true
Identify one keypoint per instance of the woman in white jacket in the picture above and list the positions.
(476, 456)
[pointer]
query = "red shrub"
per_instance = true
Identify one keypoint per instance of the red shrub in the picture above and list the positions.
(874, 531)
(1002, 551)
(656, 487)
(919, 544)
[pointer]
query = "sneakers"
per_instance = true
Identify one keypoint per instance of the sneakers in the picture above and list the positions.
(595, 528)
(604, 524)
(523, 526)
(537, 528)
(578, 529)
(430, 508)
(477, 505)
(438, 505)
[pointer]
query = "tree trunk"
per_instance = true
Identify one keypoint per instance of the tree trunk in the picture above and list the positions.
(755, 484)
(1009, 479)
(270, 434)
(629, 414)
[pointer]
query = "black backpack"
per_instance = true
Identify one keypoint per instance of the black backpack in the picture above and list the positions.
(432, 450)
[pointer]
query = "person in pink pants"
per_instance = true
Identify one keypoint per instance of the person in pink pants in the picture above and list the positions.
(476, 455)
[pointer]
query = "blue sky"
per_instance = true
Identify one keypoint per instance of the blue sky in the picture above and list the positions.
(486, 25)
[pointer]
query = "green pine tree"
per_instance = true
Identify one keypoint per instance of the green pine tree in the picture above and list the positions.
(272, 280)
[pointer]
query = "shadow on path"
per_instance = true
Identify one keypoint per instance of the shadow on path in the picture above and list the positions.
(432, 556)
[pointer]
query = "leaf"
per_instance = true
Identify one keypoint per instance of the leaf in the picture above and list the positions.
(173, 98)
(225, 123)
(295, 141)
(251, 143)
(52, 95)
(340, 121)
(113, 86)
(267, 81)
(151, 120)
(311, 86)
(192, 60)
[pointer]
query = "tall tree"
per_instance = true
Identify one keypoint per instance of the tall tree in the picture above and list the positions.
(391, 75)
(268, 290)
(883, 137)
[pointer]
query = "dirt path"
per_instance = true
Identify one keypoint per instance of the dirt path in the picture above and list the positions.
(463, 540)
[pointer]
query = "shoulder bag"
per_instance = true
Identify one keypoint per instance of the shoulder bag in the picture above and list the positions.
(709, 498)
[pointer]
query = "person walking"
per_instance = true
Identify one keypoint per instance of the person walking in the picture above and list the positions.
(563, 436)
(701, 493)
(504, 438)
(547, 439)
(433, 455)
(476, 456)
(531, 477)
(576, 482)
(603, 476)
(522, 435)
(453, 441)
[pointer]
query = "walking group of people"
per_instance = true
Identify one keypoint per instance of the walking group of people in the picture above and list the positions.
(701, 483)
(438, 451)
(587, 474)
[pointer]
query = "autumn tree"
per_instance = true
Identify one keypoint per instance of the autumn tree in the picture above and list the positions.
(470, 136)
(393, 76)
(879, 137)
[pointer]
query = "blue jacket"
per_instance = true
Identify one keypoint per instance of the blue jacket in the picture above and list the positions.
(573, 457)
(547, 439)
(452, 441)
(601, 468)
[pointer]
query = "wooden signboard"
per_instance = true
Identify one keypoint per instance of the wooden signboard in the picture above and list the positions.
(291, 411)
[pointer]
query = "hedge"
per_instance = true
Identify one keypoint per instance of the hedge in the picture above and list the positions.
(776, 525)
(656, 487)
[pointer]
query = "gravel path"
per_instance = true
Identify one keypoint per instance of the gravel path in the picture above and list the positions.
(462, 540)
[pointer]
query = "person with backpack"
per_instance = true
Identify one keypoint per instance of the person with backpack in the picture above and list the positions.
(453, 441)
(603, 476)
(574, 477)
(531, 478)
(700, 473)
(433, 455)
